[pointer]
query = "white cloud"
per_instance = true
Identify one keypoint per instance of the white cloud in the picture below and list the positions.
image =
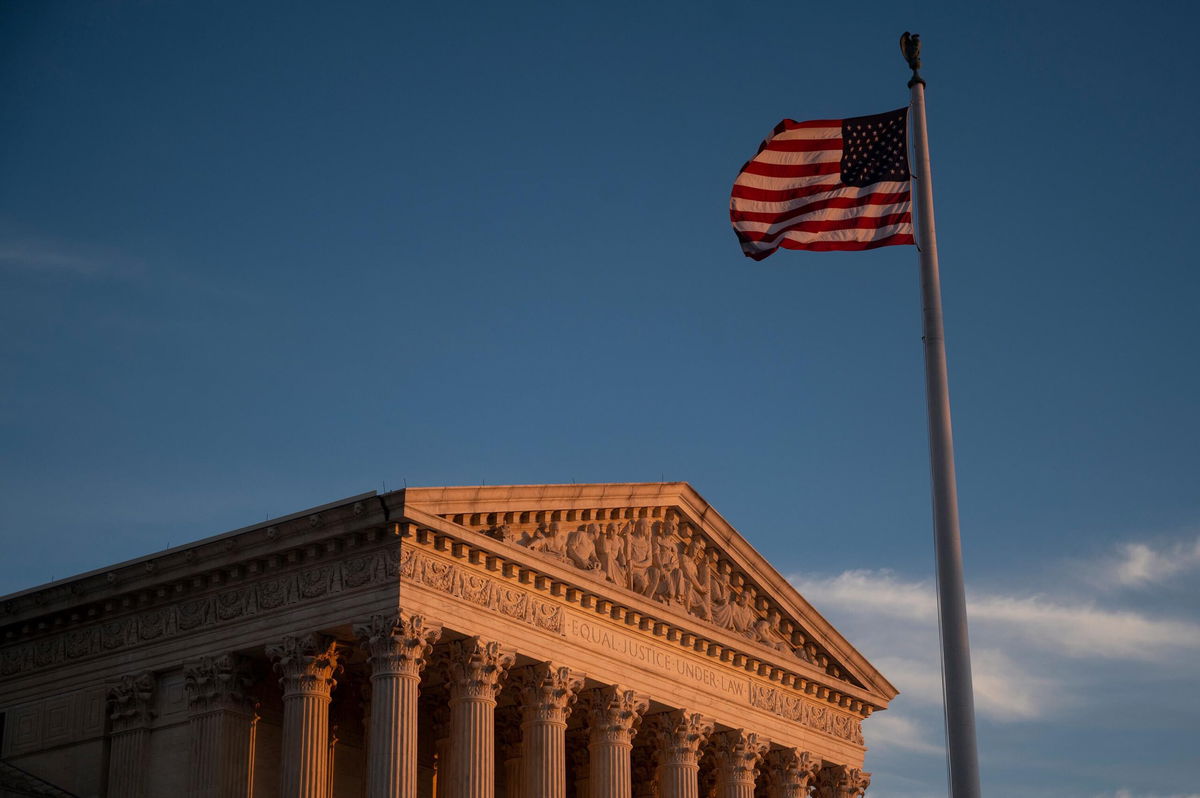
(50, 257)
(1070, 629)
(890, 730)
(1141, 564)
(1123, 793)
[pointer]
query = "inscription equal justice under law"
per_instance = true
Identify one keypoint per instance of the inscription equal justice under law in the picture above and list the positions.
(683, 669)
(689, 672)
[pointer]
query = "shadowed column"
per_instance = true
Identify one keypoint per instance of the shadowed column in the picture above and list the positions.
(508, 736)
(307, 665)
(737, 754)
(613, 717)
(221, 726)
(547, 693)
(679, 735)
(130, 713)
(398, 646)
(789, 772)
(476, 670)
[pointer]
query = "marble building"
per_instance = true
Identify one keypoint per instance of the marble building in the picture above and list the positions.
(549, 641)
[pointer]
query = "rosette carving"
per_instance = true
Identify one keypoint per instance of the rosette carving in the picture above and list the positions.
(307, 664)
(398, 643)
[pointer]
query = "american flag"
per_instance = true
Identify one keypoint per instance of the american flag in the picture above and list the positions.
(826, 184)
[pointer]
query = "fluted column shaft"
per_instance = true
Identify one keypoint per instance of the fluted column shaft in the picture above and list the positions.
(127, 757)
(680, 734)
(131, 713)
(307, 666)
(477, 669)
(221, 753)
(547, 693)
(737, 755)
(613, 717)
(221, 727)
(398, 646)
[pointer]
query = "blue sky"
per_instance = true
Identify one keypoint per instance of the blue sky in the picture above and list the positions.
(256, 257)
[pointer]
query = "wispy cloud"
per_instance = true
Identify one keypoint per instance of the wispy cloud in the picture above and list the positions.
(1142, 564)
(1131, 794)
(60, 258)
(1069, 629)
(901, 733)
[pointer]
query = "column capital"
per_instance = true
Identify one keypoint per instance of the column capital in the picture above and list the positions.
(614, 714)
(737, 752)
(217, 682)
(548, 691)
(477, 668)
(398, 643)
(842, 781)
(679, 734)
(307, 664)
(131, 702)
(790, 771)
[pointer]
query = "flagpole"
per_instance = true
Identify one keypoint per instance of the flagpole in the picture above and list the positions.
(961, 751)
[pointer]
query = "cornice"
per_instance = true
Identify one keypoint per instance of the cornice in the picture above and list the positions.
(477, 503)
(208, 566)
(561, 584)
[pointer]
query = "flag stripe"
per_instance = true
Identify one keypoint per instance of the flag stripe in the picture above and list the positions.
(828, 225)
(794, 195)
(780, 144)
(836, 201)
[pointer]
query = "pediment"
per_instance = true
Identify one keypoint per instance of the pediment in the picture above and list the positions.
(663, 543)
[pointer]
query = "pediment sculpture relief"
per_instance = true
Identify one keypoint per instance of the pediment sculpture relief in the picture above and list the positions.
(672, 563)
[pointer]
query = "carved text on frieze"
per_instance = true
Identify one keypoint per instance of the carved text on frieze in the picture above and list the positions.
(681, 669)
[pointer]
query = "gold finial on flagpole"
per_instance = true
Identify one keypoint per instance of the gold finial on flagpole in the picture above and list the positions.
(910, 45)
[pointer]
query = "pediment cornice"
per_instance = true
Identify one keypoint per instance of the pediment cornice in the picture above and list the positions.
(748, 612)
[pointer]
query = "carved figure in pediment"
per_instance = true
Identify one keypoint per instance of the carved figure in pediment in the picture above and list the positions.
(581, 547)
(506, 533)
(549, 539)
(696, 580)
(610, 549)
(666, 576)
(640, 557)
(733, 609)
(766, 631)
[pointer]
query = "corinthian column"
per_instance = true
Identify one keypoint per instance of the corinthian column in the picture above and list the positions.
(398, 646)
(737, 754)
(221, 725)
(679, 735)
(131, 713)
(307, 666)
(613, 717)
(842, 781)
(790, 772)
(547, 693)
(476, 670)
